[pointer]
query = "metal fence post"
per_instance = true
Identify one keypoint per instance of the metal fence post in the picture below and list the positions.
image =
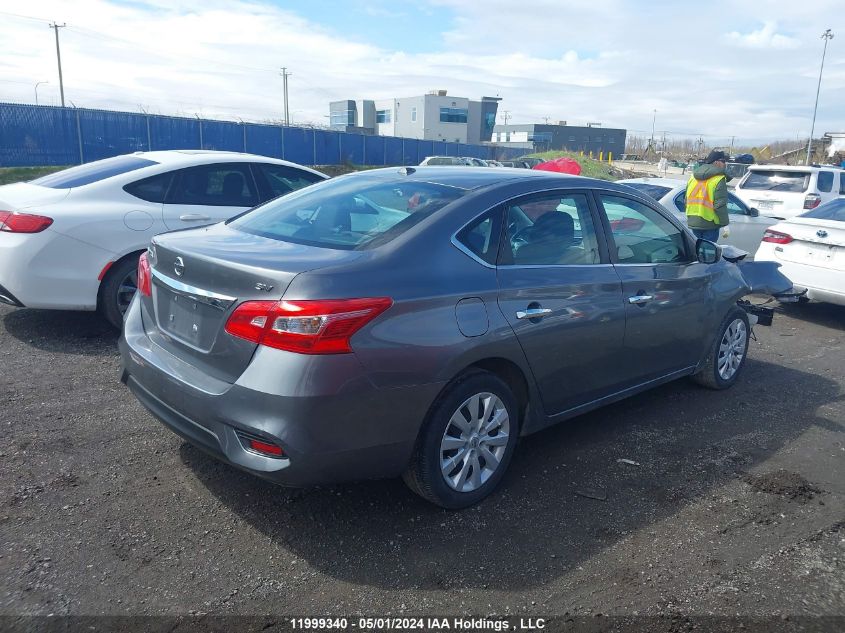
(282, 132)
(200, 120)
(314, 147)
(404, 160)
(149, 136)
(79, 137)
(363, 150)
(244, 125)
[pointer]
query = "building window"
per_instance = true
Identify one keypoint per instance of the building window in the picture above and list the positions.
(413, 114)
(571, 139)
(343, 117)
(453, 115)
(610, 141)
(383, 116)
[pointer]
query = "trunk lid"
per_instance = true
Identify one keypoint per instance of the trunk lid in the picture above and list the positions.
(199, 278)
(815, 242)
(23, 196)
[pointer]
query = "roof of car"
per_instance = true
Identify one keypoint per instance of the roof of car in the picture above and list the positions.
(198, 156)
(800, 168)
(475, 178)
(671, 183)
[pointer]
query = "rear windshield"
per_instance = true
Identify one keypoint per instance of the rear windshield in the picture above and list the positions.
(833, 210)
(776, 180)
(654, 191)
(93, 172)
(347, 214)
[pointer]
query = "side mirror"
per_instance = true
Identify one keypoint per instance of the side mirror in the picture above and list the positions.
(754, 212)
(707, 252)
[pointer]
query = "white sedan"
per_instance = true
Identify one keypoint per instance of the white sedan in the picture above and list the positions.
(811, 251)
(746, 227)
(71, 240)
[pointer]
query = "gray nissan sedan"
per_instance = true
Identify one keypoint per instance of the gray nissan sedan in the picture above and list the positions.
(417, 321)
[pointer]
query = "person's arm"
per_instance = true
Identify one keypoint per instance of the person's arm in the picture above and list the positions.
(720, 203)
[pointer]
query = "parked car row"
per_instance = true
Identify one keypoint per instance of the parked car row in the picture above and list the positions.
(783, 191)
(465, 161)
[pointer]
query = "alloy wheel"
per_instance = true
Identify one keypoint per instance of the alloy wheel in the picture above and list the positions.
(126, 291)
(732, 349)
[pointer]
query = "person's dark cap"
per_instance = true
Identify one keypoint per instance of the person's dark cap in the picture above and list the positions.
(715, 155)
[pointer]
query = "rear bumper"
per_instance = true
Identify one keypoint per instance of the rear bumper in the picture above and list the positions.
(9, 299)
(820, 284)
(345, 434)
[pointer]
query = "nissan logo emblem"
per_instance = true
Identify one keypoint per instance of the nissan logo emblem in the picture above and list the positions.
(821, 233)
(179, 267)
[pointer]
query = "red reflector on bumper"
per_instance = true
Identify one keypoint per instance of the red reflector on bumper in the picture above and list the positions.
(265, 448)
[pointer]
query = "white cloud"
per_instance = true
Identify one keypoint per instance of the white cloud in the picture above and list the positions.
(765, 37)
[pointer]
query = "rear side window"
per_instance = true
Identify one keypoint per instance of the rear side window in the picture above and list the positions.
(93, 172)
(152, 189)
(278, 180)
(825, 181)
(347, 213)
(216, 185)
(482, 237)
(777, 180)
(842, 183)
(833, 210)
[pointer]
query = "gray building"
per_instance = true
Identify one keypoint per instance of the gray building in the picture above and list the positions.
(544, 137)
(435, 116)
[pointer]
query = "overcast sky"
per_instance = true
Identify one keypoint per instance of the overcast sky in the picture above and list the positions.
(720, 68)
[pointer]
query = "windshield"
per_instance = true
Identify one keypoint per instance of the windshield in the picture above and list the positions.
(777, 180)
(833, 210)
(93, 172)
(654, 191)
(347, 214)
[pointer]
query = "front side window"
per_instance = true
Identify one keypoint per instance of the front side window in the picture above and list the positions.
(347, 214)
(642, 235)
(453, 115)
(278, 180)
(93, 172)
(413, 114)
(825, 181)
(551, 229)
(383, 116)
(218, 185)
(777, 180)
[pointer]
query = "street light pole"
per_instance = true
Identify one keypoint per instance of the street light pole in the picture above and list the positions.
(653, 120)
(827, 35)
(36, 89)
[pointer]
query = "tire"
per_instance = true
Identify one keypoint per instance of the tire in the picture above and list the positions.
(473, 475)
(726, 358)
(117, 289)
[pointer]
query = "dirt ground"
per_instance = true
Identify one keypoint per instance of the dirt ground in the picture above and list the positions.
(735, 504)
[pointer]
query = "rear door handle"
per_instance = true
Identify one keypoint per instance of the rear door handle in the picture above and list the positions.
(194, 217)
(533, 313)
(640, 299)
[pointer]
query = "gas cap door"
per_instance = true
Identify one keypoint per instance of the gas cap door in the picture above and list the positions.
(471, 314)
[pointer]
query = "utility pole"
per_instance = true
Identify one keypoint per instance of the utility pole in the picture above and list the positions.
(653, 120)
(546, 119)
(285, 74)
(506, 114)
(55, 26)
(731, 150)
(827, 35)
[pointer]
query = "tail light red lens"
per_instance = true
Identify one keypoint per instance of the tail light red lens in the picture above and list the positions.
(305, 327)
(776, 237)
(812, 200)
(265, 448)
(145, 276)
(23, 222)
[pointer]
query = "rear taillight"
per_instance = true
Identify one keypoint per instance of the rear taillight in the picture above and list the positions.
(23, 222)
(306, 327)
(812, 200)
(776, 237)
(265, 448)
(145, 276)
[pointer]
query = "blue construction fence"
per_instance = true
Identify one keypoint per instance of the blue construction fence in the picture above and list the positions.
(32, 135)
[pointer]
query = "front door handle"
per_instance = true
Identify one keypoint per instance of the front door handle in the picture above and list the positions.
(194, 217)
(533, 313)
(640, 299)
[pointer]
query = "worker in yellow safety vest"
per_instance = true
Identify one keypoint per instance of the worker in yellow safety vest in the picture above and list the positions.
(707, 198)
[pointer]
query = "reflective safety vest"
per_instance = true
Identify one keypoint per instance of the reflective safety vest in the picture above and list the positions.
(700, 197)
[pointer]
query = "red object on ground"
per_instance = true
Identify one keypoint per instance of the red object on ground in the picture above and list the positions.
(561, 165)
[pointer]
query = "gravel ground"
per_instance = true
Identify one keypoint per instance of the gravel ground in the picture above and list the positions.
(735, 506)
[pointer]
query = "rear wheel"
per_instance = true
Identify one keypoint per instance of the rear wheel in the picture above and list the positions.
(117, 290)
(726, 357)
(467, 442)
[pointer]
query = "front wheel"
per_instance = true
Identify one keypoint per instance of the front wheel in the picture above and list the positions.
(727, 354)
(466, 443)
(117, 290)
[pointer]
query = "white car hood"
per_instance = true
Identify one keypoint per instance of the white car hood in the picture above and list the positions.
(23, 195)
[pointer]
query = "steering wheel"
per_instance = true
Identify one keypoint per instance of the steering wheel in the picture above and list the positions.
(521, 237)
